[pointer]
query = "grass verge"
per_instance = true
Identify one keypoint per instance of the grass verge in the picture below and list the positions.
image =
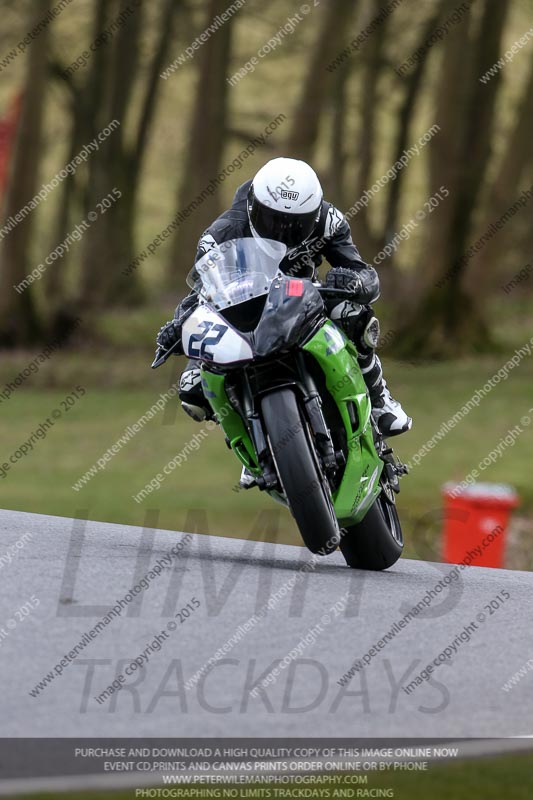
(482, 779)
(204, 483)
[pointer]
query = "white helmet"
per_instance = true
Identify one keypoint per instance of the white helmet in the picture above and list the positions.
(285, 201)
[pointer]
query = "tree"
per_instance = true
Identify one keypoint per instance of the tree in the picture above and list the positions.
(412, 87)
(517, 157)
(449, 319)
(373, 62)
(318, 79)
(335, 182)
(111, 90)
(19, 322)
(205, 147)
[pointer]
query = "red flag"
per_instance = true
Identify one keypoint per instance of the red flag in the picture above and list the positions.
(8, 129)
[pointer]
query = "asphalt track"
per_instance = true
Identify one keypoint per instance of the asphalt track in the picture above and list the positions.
(77, 571)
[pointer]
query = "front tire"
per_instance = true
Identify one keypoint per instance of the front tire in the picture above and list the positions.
(376, 542)
(306, 489)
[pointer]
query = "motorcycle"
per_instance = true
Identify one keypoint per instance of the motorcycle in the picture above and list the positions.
(285, 386)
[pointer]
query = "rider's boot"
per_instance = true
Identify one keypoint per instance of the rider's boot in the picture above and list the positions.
(387, 412)
(362, 327)
(247, 480)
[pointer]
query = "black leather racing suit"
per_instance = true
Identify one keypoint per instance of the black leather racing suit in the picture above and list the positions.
(331, 240)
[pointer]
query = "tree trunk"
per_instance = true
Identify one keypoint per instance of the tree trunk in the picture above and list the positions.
(109, 244)
(60, 308)
(334, 183)
(405, 116)
(206, 145)
(168, 15)
(374, 59)
(445, 154)
(479, 127)
(19, 324)
(334, 22)
(449, 320)
(95, 269)
(483, 272)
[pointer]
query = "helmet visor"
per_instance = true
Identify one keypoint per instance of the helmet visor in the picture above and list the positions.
(290, 229)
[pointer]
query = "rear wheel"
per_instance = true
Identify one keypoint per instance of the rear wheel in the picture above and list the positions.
(305, 487)
(377, 542)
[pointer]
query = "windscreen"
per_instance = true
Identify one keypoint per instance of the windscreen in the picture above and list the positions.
(236, 271)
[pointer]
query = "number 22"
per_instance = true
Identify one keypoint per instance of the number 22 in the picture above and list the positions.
(206, 341)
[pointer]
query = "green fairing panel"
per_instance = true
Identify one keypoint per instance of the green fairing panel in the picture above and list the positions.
(231, 423)
(337, 356)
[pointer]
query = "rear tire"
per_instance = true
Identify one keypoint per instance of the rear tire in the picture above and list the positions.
(376, 542)
(306, 489)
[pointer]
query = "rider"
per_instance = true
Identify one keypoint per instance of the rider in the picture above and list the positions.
(284, 202)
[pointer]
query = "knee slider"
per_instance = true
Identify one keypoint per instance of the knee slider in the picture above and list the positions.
(371, 333)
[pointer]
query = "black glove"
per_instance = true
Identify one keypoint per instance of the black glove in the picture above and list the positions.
(169, 334)
(344, 278)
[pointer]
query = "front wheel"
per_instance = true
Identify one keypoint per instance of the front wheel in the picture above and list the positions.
(376, 542)
(306, 489)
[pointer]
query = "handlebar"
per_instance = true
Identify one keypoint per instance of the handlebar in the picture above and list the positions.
(161, 355)
(325, 291)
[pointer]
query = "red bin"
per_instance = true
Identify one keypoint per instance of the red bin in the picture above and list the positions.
(476, 519)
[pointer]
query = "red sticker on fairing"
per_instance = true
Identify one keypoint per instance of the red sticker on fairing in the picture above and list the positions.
(295, 288)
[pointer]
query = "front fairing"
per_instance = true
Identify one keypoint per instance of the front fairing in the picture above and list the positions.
(206, 336)
(291, 310)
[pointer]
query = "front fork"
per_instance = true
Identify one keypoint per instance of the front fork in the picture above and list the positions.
(269, 479)
(331, 460)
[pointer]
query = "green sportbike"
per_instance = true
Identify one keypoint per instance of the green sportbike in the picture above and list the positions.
(284, 383)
